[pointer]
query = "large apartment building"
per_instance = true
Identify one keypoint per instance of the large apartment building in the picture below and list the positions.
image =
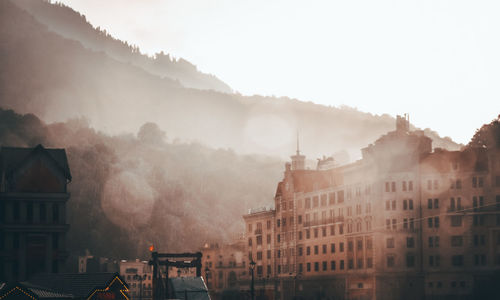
(404, 221)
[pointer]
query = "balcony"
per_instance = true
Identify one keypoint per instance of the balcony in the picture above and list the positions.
(258, 231)
(327, 221)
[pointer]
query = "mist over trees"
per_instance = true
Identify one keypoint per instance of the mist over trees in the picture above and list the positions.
(129, 192)
(67, 69)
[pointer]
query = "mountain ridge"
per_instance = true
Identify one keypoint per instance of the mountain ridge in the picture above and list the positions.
(56, 78)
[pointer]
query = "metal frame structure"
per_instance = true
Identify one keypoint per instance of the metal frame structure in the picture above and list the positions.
(179, 260)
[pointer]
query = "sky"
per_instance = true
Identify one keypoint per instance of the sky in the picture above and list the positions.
(436, 60)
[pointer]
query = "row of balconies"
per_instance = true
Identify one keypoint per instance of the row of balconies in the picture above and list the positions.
(327, 221)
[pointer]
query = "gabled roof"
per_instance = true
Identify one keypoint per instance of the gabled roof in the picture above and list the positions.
(31, 291)
(80, 285)
(12, 158)
(193, 287)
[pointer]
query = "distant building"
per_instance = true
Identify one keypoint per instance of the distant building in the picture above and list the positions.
(138, 274)
(225, 270)
(404, 222)
(33, 195)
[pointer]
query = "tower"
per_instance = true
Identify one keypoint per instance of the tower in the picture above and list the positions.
(298, 160)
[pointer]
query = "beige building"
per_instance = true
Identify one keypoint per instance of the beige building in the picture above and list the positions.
(402, 222)
(138, 275)
(225, 270)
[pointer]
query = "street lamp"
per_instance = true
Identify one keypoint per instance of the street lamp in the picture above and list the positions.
(140, 278)
(252, 290)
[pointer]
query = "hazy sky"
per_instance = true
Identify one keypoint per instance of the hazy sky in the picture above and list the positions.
(437, 60)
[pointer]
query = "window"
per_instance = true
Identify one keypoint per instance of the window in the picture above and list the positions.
(341, 246)
(325, 266)
(323, 200)
(300, 235)
(316, 249)
(436, 203)
(387, 205)
(410, 204)
(299, 219)
(387, 187)
(359, 245)
(268, 224)
(332, 265)
(331, 198)
(308, 234)
(308, 250)
(278, 222)
(394, 224)
(369, 243)
(308, 266)
(436, 184)
(340, 197)
(29, 212)
(390, 243)
(457, 260)
(268, 253)
(259, 240)
(369, 262)
(390, 261)
(405, 204)
(342, 264)
(393, 204)
(324, 249)
(268, 239)
(316, 266)
(250, 242)
(332, 229)
(410, 261)
(332, 248)
(323, 231)
(359, 263)
(350, 263)
(42, 213)
(387, 224)
(350, 246)
(410, 242)
(259, 255)
(410, 185)
(456, 241)
(456, 221)
(315, 230)
(315, 201)
(403, 186)
(393, 186)
(308, 203)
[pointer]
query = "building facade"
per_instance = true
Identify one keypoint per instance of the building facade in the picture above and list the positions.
(138, 275)
(226, 270)
(405, 221)
(33, 195)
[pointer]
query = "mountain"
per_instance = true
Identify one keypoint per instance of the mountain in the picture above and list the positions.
(70, 24)
(57, 78)
(130, 191)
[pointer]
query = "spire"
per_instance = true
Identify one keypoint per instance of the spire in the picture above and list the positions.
(298, 149)
(298, 160)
